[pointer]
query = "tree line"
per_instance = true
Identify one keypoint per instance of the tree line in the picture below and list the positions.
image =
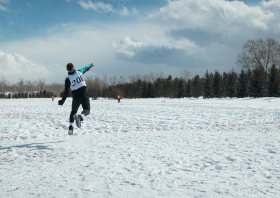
(41, 94)
(29, 89)
(248, 83)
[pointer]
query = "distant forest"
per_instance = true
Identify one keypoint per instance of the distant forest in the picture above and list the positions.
(259, 77)
(250, 83)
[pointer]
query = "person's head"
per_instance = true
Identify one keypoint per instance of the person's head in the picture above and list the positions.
(70, 67)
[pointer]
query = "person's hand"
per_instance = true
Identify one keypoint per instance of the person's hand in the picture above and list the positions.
(60, 102)
(92, 64)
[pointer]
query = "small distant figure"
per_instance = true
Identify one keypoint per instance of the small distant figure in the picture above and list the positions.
(52, 98)
(119, 98)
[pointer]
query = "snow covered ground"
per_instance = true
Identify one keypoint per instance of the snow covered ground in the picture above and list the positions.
(141, 148)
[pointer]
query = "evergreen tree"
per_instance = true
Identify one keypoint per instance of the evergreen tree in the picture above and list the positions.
(175, 88)
(144, 90)
(168, 84)
(217, 85)
(242, 85)
(231, 84)
(151, 90)
(207, 85)
(138, 89)
(159, 88)
(128, 91)
(273, 81)
(181, 88)
(197, 87)
(9, 96)
(258, 82)
(224, 85)
(249, 84)
(189, 89)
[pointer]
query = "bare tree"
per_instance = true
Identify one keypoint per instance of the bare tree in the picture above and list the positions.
(41, 84)
(55, 88)
(113, 80)
(135, 78)
(3, 85)
(121, 80)
(259, 53)
(146, 78)
(152, 77)
(186, 75)
(159, 75)
(132, 79)
(29, 86)
(94, 85)
(14, 88)
(20, 85)
(105, 80)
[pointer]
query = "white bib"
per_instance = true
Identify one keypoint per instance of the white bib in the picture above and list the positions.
(77, 80)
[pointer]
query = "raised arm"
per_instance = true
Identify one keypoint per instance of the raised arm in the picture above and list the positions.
(86, 68)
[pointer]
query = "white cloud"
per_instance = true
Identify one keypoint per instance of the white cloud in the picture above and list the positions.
(219, 16)
(271, 4)
(124, 11)
(17, 66)
(102, 7)
(135, 11)
(2, 3)
(79, 44)
(228, 23)
(99, 6)
(129, 48)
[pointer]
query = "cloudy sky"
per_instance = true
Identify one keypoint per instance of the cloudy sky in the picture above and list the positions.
(39, 37)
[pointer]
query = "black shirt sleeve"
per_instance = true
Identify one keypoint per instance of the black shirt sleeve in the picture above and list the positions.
(66, 90)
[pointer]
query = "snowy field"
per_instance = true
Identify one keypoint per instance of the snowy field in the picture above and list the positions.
(141, 148)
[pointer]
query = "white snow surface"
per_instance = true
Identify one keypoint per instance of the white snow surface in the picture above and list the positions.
(141, 148)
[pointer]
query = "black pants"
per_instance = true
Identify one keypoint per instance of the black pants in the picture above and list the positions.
(78, 99)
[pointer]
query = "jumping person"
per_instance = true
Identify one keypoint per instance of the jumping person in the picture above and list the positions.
(76, 82)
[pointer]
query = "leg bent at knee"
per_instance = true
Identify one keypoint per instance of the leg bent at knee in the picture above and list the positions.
(86, 112)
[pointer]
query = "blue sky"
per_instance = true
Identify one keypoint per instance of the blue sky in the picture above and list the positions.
(39, 37)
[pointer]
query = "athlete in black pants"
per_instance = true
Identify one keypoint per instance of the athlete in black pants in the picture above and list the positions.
(76, 82)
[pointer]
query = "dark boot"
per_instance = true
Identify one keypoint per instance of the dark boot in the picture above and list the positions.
(70, 132)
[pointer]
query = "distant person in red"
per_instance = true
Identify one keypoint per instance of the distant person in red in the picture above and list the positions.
(52, 98)
(119, 98)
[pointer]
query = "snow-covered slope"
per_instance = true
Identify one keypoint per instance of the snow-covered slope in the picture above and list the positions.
(141, 148)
